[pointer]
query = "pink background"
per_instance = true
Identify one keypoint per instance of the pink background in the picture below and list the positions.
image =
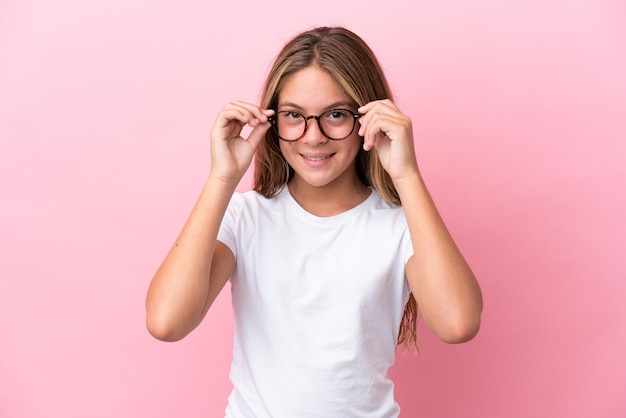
(105, 109)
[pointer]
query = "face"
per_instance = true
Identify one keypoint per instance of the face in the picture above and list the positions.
(316, 160)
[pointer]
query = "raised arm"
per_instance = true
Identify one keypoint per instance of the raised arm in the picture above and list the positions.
(197, 266)
(446, 291)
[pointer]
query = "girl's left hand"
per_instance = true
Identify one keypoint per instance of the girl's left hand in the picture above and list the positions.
(385, 128)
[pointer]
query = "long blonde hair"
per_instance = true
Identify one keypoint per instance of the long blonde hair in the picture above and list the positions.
(350, 62)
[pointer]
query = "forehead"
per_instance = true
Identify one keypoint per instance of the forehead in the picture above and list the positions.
(312, 89)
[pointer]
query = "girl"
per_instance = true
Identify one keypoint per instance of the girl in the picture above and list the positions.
(330, 255)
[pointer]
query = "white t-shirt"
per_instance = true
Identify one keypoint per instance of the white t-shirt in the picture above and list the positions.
(317, 305)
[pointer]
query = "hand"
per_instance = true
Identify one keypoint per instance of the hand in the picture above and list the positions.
(386, 129)
(231, 154)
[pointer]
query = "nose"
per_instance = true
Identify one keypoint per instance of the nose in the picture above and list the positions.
(313, 134)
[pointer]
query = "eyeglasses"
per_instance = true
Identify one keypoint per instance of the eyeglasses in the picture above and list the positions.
(334, 124)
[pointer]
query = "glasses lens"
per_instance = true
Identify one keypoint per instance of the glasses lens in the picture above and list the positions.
(337, 123)
(290, 125)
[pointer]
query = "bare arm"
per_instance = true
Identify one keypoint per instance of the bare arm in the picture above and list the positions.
(442, 282)
(197, 266)
(189, 279)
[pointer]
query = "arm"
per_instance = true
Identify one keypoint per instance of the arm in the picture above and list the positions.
(442, 282)
(197, 266)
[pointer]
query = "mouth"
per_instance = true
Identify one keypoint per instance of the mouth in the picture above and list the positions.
(316, 158)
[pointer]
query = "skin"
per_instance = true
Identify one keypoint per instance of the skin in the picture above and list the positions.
(331, 185)
(325, 183)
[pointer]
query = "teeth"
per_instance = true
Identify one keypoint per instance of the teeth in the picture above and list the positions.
(316, 158)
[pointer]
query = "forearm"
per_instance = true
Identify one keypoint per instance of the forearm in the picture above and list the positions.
(177, 296)
(441, 280)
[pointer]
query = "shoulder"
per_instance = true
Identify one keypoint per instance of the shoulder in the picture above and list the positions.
(380, 202)
(377, 204)
(253, 201)
(250, 197)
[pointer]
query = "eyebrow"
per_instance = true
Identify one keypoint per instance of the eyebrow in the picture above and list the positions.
(339, 104)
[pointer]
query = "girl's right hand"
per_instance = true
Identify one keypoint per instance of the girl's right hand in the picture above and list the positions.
(231, 154)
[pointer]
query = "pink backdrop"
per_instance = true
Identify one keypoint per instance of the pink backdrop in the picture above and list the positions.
(105, 109)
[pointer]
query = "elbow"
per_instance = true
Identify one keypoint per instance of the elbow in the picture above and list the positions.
(460, 329)
(462, 322)
(162, 327)
(460, 333)
(160, 331)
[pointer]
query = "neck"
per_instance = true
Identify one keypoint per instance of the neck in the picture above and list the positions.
(331, 199)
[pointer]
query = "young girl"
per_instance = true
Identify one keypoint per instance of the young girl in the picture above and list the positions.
(330, 255)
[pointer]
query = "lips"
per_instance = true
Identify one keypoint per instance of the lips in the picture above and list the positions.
(316, 157)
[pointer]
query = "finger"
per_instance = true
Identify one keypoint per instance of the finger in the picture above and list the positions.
(383, 125)
(256, 135)
(374, 110)
(385, 106)
(235, 116)
(234, 113)
(255, 113)
(379, 106)
(378, 123)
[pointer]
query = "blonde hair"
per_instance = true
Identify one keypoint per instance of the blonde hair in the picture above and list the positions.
(350, 62)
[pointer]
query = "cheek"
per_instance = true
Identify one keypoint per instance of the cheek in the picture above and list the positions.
(356, 143)
(288, 152)
(285, 147)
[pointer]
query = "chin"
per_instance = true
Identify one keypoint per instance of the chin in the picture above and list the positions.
(315, 181)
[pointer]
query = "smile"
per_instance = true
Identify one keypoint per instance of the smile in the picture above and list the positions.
(316, 157)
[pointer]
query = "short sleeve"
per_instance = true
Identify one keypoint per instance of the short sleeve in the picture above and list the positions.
(407, 252)
(406, 246)
(226, 233)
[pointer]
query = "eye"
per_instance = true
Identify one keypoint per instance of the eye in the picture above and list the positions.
(291, 115)
(337, 114)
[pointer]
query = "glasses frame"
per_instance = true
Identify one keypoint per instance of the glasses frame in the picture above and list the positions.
(274, 122)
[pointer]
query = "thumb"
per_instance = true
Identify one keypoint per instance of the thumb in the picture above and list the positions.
(257, 134)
